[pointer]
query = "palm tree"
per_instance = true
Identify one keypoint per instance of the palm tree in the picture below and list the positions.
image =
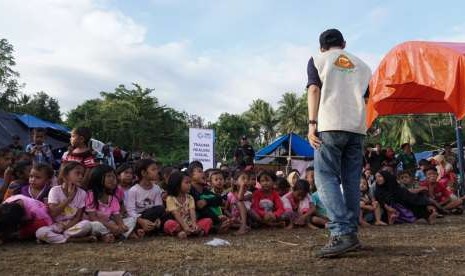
(292, 114)
(394, 131)
(263, 120)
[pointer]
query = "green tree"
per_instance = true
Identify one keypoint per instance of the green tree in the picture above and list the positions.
(9, 85)
(40, 105)
(228, 130)
(263, 121)
(292, 114)
(134, 120)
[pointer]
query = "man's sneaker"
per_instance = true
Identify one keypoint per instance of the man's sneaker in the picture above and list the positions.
(339, 245)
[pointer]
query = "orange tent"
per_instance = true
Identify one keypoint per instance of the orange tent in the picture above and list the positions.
(419, 77)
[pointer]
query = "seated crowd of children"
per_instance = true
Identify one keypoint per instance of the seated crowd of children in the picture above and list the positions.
(88, 201)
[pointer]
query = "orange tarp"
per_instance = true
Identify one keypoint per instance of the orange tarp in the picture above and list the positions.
(419, 77)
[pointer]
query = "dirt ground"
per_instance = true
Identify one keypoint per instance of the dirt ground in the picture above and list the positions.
(396, 250)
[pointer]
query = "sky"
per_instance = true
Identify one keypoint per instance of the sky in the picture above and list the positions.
(204, 57)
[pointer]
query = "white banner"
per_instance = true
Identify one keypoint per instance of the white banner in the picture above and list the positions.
(201, 143)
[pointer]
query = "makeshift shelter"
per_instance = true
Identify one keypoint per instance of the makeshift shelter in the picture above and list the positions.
(22, 125)
(421, 77)
(290, 150)
(299, 148)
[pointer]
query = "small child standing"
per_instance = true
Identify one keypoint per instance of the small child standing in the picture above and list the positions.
(144, 200)
(20, 173)
(235, 202)
(181, 206)
(102, 206)
(39, 182)
(267, 207)
(298, 209)
(66, 204)
(79, 150)
(41, 152)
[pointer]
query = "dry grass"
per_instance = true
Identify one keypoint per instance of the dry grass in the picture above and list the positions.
(401, 249)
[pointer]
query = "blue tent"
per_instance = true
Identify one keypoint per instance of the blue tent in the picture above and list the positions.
(33, 122)
(299, 147)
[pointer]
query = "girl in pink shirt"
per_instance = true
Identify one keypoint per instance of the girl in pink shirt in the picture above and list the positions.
(22, 214)
(235, 202)
(103, 208)
(298, 208)
(66, 206)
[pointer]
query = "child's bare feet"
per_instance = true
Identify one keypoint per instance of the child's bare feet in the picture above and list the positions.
(363, 223)
(432, 217)
(182, 235)
(108, 238)
(380, 223)
(392, 218)
(311, 226)
(243, 230)
(137, 234)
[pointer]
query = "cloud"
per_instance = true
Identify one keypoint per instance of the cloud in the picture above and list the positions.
(75, 49)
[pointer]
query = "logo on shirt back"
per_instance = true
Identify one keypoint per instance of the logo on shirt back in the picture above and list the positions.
(342, 61)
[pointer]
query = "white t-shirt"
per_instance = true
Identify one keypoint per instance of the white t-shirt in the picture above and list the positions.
(344, 82)
(56, 196)
(140, 199)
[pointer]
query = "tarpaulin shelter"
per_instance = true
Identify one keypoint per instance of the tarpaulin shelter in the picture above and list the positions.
(22, 125)
(299, 147)
(420, 77)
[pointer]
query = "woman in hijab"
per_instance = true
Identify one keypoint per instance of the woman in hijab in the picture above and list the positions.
(400, 204)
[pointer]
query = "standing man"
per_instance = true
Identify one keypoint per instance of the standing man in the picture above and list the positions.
(337, 88)
(407, 158)
(244, 155)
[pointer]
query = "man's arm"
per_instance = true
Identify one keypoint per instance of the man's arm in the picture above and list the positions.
(313, 99)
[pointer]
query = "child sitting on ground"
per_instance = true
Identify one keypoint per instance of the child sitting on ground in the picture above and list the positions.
(22, 216)
(208, 204)
(6, 159)
(438, 191)
(144, 201)
(103, 209)
(267, 207)
(20, 172)
(39, 185)
(406, 180)
(298, 209)
(368, 206)
(420, 175)
(125, 175)
(66, 204)
(181, 206)
(310, 177)
(235, 202)
(320, 219)
(41, 152)
(281, 186)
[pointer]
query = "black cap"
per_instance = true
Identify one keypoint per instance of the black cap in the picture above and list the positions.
(331, 38)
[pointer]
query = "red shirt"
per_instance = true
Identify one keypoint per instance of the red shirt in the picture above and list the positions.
(441, 191)
(271, 202)
(85, 158)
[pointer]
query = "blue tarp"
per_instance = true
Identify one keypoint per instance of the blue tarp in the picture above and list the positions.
(33, 122)
(423, 155)
(299, 146)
